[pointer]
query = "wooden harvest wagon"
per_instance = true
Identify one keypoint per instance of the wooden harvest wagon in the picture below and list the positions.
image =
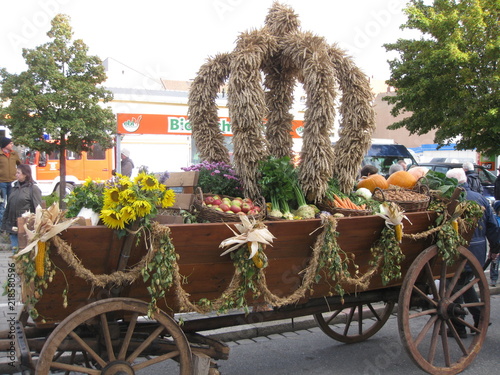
(105, 330)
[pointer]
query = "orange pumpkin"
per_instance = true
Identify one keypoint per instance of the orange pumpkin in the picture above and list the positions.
(418, 172)
(373, 181)
(403, 179)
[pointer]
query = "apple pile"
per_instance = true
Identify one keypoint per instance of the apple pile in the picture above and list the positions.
(231, 206)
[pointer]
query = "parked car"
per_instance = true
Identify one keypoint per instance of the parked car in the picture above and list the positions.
(487, 178)
(383, 156)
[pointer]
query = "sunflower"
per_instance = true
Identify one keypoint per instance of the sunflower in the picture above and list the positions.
(147, 182)
(168, 199)
(128, 196)
(111, 197)
(142, 207)
(125, 182)
(127, 214)
(112, 219)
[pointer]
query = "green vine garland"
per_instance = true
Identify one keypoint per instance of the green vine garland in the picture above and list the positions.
(387, 252)
(159, 270)
(333, 260)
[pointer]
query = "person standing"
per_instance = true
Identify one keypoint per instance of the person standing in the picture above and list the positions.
(127, 165)
(487, 231)
(9, 160)
(25, 196)
(497, 186)
(472, 177)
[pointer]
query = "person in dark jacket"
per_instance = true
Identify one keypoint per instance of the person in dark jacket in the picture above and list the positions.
(497, 186)
(487, 231)
(472, 177)
(127, 165)
(25, 196)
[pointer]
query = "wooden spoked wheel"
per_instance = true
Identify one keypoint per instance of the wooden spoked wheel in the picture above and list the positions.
(428, 307)
(114, 336)
(356, 323)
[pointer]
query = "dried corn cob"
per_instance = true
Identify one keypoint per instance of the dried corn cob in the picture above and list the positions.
(40, 258)
(399, 232)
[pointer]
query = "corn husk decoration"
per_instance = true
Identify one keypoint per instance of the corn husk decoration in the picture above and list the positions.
(459, 210)
(252, 233)
(47, 224)
(393, 216)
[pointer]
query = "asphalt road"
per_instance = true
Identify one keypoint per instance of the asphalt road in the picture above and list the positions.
(312, 352)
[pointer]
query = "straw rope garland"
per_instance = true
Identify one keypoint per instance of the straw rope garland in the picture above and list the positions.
(118, 278)
(327, 258)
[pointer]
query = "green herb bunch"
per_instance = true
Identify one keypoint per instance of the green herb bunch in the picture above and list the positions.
(278, 183)
(89, 195)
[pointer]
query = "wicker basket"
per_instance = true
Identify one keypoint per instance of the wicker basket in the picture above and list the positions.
(209, 214)
(419, 200)
(329, 207)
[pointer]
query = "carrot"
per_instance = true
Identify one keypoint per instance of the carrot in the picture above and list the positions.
(338, 201)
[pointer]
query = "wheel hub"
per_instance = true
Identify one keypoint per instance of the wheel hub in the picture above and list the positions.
(448, 309)
(118, 368)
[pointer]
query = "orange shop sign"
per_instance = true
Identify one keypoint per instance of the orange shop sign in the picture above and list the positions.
(130, 123)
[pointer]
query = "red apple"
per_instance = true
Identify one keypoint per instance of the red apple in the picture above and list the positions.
(236, 202)
(245, 207)
(252, 212)
(256, 208)
(209, 200)
(235, 208)
(217, 201)
(248, 200)
(224, 207)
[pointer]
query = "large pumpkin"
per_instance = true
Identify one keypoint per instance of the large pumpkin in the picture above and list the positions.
(403, 179)
(373, 181)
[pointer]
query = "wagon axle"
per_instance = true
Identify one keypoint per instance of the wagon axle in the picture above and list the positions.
(448, 309)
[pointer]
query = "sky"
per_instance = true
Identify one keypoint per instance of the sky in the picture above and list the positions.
(171, 39)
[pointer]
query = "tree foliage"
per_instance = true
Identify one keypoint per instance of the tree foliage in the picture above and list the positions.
(58, 95)
(449, 79)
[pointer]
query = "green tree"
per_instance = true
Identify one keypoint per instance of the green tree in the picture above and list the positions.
(449, 80)
(58, 95)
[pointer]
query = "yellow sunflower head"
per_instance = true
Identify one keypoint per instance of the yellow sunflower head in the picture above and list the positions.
(112, 219)
(128, 196)
(127, 214)
(125, 182)
(111, 197)
(142, 207)
(168, 199)
(147, 181)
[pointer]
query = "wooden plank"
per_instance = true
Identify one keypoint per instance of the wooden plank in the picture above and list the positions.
(186, 181)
